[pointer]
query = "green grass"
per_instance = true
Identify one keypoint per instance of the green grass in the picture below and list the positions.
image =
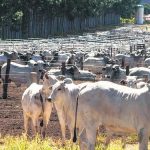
(23, 143)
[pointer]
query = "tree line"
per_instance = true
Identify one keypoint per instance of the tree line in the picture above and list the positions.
(147, 9)
(13, 12)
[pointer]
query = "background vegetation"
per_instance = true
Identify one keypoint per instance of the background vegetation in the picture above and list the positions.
(147, 9)
(14, 12)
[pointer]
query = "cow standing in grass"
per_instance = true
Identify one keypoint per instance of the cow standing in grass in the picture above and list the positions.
(120, 109)
(35, 105)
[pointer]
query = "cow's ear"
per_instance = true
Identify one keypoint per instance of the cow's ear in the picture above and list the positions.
(46, 76)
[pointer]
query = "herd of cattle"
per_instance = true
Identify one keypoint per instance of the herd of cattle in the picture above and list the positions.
(119, 100)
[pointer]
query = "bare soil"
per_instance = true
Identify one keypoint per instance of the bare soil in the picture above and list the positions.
(11, 115)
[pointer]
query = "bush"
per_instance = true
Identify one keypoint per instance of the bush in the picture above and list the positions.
(127, 20)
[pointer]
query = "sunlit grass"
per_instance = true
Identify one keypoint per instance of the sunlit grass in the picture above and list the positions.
(23, 143)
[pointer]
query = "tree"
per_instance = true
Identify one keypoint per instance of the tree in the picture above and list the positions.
(147, 9)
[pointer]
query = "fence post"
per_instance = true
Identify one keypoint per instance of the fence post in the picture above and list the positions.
(130, 49)
(81, 63)
(127, 70)
(111, 50)
(0, 71)
(122, 63)
(5, 83)
(63, 68)
(145, 52)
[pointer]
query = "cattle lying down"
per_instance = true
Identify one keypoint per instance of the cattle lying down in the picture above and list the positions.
(119, 108)
(20, 74)
(75, 73)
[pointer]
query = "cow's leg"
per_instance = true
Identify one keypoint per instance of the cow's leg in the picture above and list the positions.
(46, 117)
(83, 143)
(143, 139)
(61, 117)
(107, 141)
(43, 125)
(123, 141)
(26, 123)
(91, 137)
(35, 125)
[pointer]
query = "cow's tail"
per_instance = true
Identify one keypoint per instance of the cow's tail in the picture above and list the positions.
(75, 124)
(42, 103)
(41, 123)
(0, 71)
(76, 111)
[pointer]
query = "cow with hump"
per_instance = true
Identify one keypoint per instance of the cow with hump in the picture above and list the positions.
(36, 107)
(119, 108)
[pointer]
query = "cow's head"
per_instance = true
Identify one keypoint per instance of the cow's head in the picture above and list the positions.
(59, 90)
(49, 80)
(107, 71)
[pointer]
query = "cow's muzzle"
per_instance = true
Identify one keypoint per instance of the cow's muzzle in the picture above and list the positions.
(49, 99)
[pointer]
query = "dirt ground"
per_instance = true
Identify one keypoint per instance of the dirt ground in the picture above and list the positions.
(11, 115)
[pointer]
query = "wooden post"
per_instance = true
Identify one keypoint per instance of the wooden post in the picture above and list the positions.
(111, 50)
(81, 63)
(134, 47)
(130, 49)
(127, 70)
(122, 63)
(145, 51)
(63, 68)
(0, 71)
(5, 84)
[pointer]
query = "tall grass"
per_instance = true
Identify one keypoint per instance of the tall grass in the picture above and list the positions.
(23, 143)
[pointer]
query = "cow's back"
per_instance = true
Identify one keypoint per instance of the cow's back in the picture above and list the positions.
(31, 99)
(115, 105)
(17, 73)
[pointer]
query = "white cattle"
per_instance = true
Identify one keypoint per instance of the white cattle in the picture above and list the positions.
(130, 60)
(139, 72)
(119, 108)
(134, 82)
(36, 57)
(94, 64)
(147, 62)
(140, 84)
(60, 57)
(130, 81)
(36, 108)
(63, 57)
(5, 55)
(75, 73)
(47, 54)
(35, 105)
(20, 74)
(113, 73)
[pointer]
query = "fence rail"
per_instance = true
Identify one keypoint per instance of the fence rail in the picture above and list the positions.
(46, 27)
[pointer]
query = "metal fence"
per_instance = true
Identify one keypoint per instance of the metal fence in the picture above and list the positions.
(44, 27)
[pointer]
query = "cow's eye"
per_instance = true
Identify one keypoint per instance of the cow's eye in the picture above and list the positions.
(59, 89)
(50, 87)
